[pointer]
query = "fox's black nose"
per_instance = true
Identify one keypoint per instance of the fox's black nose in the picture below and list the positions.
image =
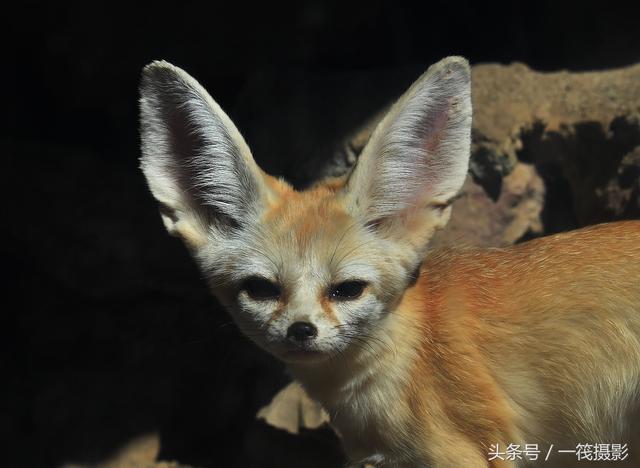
(301, 331)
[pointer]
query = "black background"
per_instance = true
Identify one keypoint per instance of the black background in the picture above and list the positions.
(108, 331)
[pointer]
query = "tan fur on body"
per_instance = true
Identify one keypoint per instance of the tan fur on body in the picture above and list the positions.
(534, 344)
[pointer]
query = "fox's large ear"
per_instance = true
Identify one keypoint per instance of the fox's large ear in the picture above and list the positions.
(196, 163)
(417, 158)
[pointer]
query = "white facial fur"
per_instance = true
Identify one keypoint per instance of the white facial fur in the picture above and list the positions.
(239, 223)
(305, 274)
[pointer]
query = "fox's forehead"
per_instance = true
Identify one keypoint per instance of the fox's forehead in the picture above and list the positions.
(312, 216)
(308, 234)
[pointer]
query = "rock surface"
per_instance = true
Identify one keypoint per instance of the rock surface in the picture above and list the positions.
(140, 452)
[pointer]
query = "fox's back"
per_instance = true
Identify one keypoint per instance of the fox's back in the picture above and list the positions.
(596, 266)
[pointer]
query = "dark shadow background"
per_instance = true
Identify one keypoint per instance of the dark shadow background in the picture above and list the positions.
(107, 331)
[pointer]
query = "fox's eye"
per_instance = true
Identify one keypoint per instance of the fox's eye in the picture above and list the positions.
(261, 289)
(347, 290)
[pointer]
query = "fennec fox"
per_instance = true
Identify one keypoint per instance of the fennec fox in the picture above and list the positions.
(439, 359)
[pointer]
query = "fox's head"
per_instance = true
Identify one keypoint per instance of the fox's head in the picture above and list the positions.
(306, 274)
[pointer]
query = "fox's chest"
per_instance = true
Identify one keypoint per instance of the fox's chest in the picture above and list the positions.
(375, 424)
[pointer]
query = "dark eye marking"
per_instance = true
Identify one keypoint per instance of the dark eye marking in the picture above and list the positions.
(261, 289)
(347, 290)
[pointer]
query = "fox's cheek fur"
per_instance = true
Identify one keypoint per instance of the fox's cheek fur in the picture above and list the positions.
(341, 324)
(348, 325)
(304, 269)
